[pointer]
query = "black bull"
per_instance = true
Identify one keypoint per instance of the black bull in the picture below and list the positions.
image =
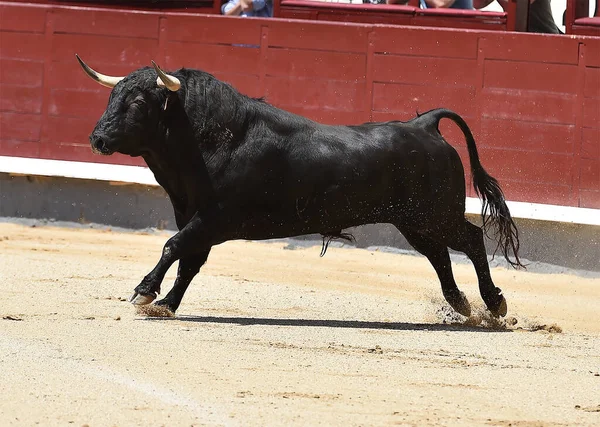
(238, 168)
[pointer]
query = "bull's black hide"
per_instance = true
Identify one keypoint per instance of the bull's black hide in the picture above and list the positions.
(238, 168)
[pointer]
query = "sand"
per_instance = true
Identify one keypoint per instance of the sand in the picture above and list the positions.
(271, 336)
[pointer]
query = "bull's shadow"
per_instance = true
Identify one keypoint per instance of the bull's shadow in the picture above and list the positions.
(328, 323)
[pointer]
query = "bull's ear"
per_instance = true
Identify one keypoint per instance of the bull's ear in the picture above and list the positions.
(166, 80)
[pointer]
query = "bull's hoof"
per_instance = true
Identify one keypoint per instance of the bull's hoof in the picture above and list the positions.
(139, 299)
(459, 302)
(501, 309)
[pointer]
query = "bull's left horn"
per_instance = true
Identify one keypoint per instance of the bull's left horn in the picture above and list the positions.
(104, 80)
(166, 80)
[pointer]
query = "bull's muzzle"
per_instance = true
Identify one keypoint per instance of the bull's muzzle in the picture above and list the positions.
(99, 145)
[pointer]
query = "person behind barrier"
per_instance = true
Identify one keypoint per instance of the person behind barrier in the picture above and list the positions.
(246, 8)
(540, 15)
(436, 4)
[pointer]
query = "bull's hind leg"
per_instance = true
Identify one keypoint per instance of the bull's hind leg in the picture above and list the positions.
(468, 238)
(438, 256)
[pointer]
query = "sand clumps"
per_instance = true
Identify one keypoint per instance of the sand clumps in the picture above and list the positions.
(152, 310)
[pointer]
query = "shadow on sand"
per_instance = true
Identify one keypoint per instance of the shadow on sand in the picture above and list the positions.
(353, 324)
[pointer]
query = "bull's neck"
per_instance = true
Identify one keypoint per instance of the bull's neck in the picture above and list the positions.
(175, 171)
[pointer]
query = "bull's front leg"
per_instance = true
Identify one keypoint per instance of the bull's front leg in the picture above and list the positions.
(191, 245)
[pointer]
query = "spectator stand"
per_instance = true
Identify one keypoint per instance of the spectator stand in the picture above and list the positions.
(515, 19)
(578, 21)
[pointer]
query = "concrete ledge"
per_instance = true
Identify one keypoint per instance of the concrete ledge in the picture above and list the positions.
(137, 206)
(143, 175)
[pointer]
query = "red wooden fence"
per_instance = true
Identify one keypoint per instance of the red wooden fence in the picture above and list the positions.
(533, 101)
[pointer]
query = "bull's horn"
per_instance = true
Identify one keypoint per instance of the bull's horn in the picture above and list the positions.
(104, 80)
(165, 80)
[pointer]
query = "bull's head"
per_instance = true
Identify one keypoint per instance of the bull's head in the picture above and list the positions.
(130, 124)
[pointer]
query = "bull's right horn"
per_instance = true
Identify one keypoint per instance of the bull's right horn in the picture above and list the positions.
(104, 80)
(166, 80)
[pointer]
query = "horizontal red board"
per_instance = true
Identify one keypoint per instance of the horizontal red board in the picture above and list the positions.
(407, 98)
(15, 17)
(24, 73)
(527, 136)
(316, 93)
(20, 99)
(518, 47)
(105, 22)
(102, 50)
(592, 51)
(23, 46)
(19, 148)
(589, 199)
(534, 106)
(424, 70)
(590, 174)
(213, 29)
(592, 82)
(20, 127)
(421, 42)
(532, 192)
(75, 103)
(557, 78)
(529, 166)
(590, 143)
(70, 130)
(591, 113)
(318, 36)
(213, 57)
(313, 63)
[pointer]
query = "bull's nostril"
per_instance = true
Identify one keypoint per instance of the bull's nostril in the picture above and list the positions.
(98, 144)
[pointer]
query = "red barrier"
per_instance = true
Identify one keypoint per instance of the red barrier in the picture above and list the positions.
(533, 101)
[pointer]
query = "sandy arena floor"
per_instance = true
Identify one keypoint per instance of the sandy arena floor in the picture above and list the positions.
(268, 337)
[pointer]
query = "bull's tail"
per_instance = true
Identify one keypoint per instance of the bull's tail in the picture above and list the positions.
(494, 212)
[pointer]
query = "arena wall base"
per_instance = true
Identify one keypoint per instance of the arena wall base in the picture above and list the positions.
(139, 206)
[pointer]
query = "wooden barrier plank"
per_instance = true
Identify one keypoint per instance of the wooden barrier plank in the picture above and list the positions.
(19, 148)
(528, 166)
(527, 136)
(20, 99)
(318, 36)
(77, 103)
(20, 127)
(522, 191)
(213, 57)
(23, 73)
(590, 143)
(517, 47)
(213, 29)
(424, 70)
(407, 99)
(318, 93)
(555, 78)
(425, 42)
(111, 23)
(15, 17)
(71, 130)
(590, 174)
(102, 50)
(592, 82)
(21, 46)
(294, 63)
(541, 107)
(591, 113)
